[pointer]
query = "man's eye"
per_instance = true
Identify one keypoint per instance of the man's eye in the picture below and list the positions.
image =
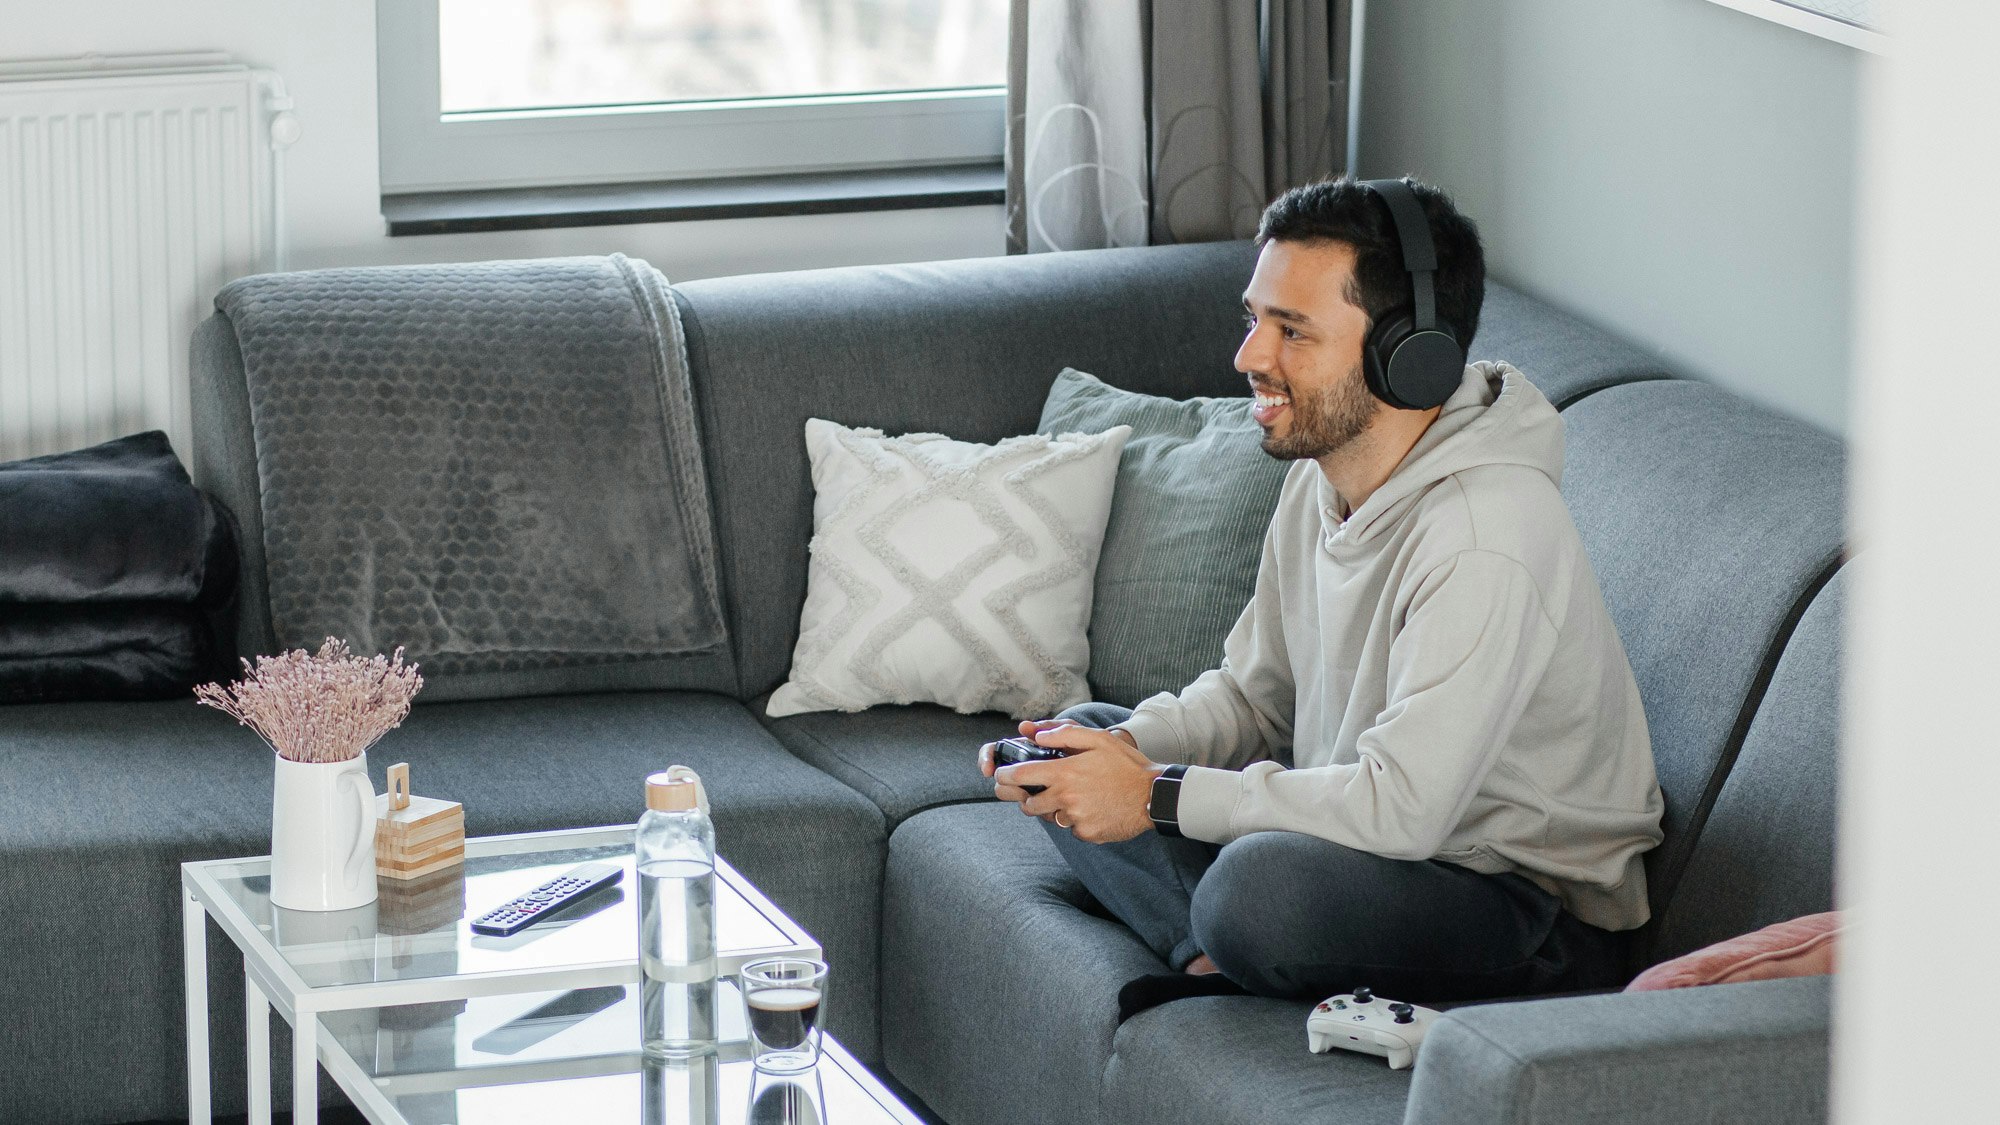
(1291, 333)
(1249, 320)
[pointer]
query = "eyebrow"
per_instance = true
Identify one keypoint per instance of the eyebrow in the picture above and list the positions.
(1278, 312)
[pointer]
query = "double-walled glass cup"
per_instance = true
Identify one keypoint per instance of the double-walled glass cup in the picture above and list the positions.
(785, 1001)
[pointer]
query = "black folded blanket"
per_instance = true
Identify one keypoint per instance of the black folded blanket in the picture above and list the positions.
(117, 576)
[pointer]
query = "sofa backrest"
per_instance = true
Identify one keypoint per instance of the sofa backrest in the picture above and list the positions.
(1710, 522)
(1766, 852)
(1563, 356)
(968, 349)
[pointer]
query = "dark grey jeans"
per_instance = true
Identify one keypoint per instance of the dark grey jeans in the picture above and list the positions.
(1288, 915)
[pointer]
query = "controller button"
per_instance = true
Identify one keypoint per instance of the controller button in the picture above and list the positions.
(1364, 996)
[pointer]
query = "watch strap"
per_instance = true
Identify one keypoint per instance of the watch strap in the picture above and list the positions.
(1164, 808)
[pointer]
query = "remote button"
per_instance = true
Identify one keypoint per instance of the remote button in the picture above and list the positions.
(1364, 996)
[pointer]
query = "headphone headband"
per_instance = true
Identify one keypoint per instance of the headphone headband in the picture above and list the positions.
(1413, 232)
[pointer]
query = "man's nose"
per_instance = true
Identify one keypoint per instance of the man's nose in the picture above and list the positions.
(1252, 356)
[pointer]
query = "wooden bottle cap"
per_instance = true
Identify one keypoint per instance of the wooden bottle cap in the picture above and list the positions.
(669, 792)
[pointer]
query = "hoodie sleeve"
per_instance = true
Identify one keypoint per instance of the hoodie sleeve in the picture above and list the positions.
(1238, 713)
(1473, 648)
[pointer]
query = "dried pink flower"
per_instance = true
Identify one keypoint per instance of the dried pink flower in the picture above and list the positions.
(328, 706)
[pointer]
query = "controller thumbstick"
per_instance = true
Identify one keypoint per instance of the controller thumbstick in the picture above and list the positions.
(1404, 1013)
(1364, 996)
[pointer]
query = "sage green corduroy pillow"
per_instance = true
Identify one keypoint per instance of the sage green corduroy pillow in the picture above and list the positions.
(1188, 514)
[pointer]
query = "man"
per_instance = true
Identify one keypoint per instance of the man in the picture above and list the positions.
(1423, 764)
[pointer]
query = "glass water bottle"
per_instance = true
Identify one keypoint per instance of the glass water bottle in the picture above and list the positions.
(676, 859)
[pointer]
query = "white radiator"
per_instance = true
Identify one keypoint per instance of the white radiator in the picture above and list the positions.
(126, 200)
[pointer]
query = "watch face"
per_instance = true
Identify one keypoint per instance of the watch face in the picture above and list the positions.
(1165, 798)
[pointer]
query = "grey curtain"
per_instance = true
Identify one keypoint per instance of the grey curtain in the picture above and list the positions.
(1135, 122)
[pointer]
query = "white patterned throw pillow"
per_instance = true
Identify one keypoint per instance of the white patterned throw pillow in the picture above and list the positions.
(950, 572)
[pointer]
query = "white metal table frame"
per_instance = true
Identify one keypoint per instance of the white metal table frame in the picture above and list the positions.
(375, 1097)
(270, 981)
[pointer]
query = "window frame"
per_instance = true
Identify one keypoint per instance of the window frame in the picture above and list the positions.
(423, 149)
(1802, 16)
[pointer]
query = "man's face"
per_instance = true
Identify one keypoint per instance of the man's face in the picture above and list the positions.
(1303, 350)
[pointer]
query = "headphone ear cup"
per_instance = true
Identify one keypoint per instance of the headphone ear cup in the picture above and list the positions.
(1377, 353)
(1411, 369)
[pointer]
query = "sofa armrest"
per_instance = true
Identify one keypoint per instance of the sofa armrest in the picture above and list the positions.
(1733, 1052)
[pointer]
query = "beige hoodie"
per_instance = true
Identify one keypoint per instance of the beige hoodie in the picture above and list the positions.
(1439, 669)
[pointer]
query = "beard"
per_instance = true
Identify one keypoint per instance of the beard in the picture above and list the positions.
(1326, 420)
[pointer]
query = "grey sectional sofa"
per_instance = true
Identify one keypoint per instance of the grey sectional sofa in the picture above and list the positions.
(971, 967)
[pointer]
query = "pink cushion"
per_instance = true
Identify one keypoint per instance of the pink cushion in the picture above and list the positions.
(1802, 947)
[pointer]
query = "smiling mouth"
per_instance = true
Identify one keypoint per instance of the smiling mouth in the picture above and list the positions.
(1267, 405)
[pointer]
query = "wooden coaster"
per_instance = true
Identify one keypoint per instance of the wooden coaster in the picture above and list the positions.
(416, 836)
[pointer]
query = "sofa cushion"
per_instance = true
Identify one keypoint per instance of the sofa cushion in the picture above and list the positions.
(1242, 1060)
(1709, 521)
(905, 759)
(1766, 851)
(1195, 493)
(1798, 947)
(158, 784)
(1000, 992)
(1562, 355)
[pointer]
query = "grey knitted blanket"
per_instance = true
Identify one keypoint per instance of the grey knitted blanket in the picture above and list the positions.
(494, 465)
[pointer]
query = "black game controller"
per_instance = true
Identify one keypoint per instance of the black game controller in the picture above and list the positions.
(1014, 751)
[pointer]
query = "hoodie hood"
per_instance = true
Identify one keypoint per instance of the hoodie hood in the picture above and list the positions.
(1496, 417)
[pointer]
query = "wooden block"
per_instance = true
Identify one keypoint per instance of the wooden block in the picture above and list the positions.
(450, 827)
(418, 868)
(395, 855)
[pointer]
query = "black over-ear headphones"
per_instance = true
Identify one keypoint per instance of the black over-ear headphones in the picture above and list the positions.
(1411, 360)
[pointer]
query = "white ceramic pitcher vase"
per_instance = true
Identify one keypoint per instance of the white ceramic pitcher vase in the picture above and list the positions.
(322, 835)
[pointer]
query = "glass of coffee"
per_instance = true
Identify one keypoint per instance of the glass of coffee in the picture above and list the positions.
(785, 1000)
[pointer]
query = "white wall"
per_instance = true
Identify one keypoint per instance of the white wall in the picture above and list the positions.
(1921, 767)
(1672, 170)
(325, 50)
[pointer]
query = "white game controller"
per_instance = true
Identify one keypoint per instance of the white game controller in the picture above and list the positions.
(1357, 1021)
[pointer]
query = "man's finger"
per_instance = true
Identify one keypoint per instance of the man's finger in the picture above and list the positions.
(1074, 738)
(986, 759)
(1012, 793)
(1044, 803)
(1029, 773)
(1034, 730)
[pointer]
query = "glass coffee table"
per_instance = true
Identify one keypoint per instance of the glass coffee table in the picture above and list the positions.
(409, 966)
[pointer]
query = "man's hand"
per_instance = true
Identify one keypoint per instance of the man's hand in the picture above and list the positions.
(1099, 792)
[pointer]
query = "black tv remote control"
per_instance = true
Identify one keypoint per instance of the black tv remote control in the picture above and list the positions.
(552, 897)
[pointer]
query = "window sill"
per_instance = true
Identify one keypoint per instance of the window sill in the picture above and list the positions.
(738, 197)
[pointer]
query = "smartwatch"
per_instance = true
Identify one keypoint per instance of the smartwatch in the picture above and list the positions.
(1165, 807)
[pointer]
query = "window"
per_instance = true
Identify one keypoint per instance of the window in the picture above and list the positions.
(499, 93)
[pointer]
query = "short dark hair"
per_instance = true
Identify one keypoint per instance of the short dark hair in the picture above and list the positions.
(1343, 211)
